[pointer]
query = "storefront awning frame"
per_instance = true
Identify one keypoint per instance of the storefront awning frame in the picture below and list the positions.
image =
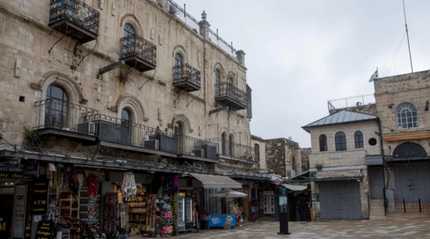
(216, 181)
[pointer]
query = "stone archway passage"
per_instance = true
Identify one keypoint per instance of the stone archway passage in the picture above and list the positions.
(409, 151)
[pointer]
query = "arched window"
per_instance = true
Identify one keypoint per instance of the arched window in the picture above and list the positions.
(129, 40)
(340, 141)
(180, 136)
(257, 152)
(217, 76)
(231, 145)
(230, 80)
(179, 60)
(407, 116)
(126, 117)
(323, 143)
(358, 140)
(126, 126)
(57, 107)
(224, 143)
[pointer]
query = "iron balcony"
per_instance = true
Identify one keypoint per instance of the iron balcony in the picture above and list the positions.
(138, 53)
(186, 77)
(227, 94)
(74, 18)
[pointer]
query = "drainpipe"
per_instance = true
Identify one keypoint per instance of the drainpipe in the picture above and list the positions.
(384, 167)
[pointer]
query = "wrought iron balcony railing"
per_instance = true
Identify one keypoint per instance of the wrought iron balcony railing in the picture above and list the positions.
(138, 53)
(186, 77)
(195, 147)
(117, 131)
(228, 94)
(75, 19)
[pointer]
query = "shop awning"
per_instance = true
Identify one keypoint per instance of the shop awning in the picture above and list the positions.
(296, 188)
(231, 194)
(216, 181)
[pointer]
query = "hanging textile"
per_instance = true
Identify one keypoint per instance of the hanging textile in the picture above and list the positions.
(129, 187)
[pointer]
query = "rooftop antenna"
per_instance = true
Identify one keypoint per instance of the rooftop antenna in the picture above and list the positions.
(407, 36)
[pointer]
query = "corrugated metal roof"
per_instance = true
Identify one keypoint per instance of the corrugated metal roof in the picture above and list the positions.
(341, 117)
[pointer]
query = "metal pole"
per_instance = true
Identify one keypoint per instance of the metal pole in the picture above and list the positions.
(407, 36)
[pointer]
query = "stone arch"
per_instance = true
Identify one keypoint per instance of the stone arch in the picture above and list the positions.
(185, 121)
(72, 88)
(134, 105)
(134, 21)
(181, 50)
(409, 150)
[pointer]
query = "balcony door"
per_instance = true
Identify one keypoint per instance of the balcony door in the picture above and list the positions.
(126, 127)
(179, 133)
(129, 40)
(56, 110)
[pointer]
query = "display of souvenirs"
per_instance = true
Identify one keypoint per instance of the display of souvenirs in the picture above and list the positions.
(165, 216)
(141, 213)
(46, 230)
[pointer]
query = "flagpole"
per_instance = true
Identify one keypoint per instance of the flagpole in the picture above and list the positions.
(407, 36)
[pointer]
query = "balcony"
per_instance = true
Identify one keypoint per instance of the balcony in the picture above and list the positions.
(58, 118)
(190, 147)
(138, 53)
(186, 78)
(230, 95)
(74, 18)
(114, 132)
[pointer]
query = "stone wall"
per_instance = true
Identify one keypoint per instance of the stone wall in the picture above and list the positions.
(283, 157)
(392, 91)
(34, 56)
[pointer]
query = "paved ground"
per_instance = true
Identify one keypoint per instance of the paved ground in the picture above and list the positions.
(374, 229)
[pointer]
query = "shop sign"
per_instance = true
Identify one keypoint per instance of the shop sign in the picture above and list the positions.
(40, 197)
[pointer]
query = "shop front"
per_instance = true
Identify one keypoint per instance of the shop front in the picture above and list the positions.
(218, 200)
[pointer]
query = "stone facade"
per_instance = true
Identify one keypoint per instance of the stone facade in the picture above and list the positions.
(345, 166)
(259, 153)
(283, 157)
(407, 146)
(305, 152)
(35, 56)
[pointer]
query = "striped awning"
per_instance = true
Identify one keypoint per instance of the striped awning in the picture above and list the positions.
(216, 181)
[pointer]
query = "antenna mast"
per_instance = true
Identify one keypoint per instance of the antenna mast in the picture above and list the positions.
(407, 36)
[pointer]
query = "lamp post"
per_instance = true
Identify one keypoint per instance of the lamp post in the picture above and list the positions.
(283, 211)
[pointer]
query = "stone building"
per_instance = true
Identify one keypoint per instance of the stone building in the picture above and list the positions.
(341, 143)
(102, 87)
(305, 153)
(385, 173)
(283, 157)
(259, 152)
(403, 107)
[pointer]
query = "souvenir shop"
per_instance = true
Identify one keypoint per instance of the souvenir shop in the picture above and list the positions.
(69, 202)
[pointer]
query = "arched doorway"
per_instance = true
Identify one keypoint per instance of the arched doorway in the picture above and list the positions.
(57, 107)
(126, 132)
(409, 151)
(410, 178)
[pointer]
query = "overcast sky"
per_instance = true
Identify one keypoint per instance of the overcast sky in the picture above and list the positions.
(302, 53)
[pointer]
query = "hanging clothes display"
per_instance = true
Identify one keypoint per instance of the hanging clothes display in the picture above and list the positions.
(128, 186)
